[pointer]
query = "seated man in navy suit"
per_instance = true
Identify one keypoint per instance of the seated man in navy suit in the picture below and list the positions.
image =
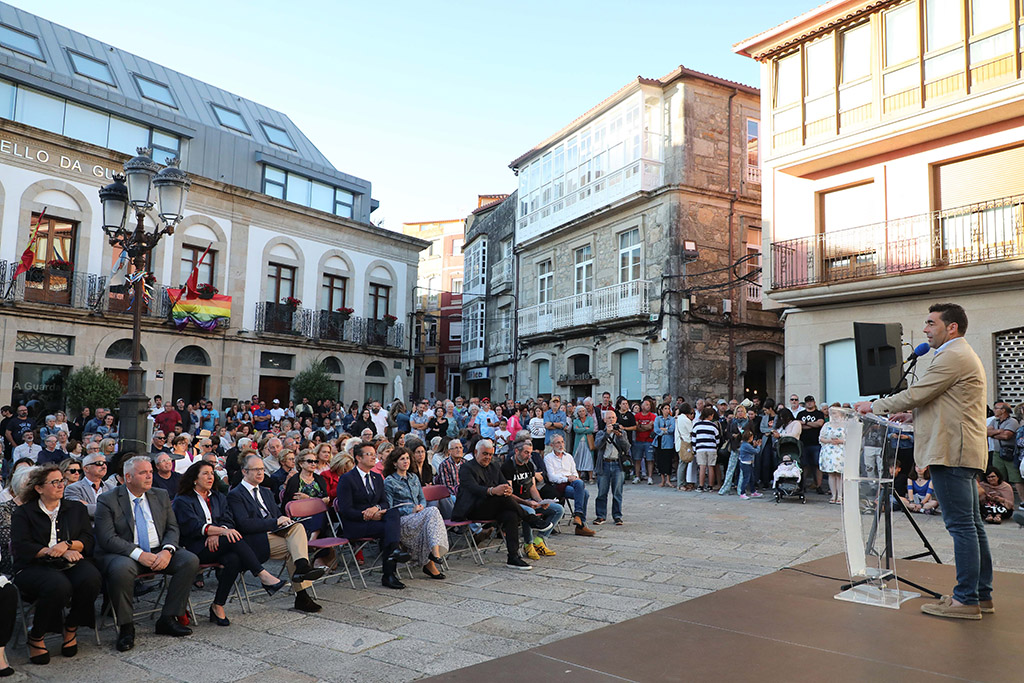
(364, 514)
(258, 518)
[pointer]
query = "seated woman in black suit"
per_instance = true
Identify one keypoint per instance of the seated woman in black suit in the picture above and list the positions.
(207, 529)
(52, 539)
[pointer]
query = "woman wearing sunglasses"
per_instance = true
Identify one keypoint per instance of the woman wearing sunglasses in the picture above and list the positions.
(308, 484)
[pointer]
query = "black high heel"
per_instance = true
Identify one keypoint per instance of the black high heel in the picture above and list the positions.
(43, 658)
(220, 621)
(70, 650)
(434, 559)
(437, 577)
(274, 587)
(4, 673)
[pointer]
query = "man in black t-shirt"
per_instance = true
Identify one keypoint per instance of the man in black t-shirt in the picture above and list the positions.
(521, 473)
(812, 421)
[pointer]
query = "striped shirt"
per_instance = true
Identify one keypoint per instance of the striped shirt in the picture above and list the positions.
(704, 435)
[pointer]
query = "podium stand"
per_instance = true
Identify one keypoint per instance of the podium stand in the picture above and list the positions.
(869, 453)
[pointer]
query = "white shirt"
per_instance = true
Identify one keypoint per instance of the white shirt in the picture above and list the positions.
(250, 488)
(367, 481)
(182, 464)
(154, 537)
(206, 511)
(26, 451)
(560, 468)
(276, 414)
(53, 522)
(380, 420)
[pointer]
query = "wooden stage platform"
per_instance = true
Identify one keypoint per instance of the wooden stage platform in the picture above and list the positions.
(786, 626)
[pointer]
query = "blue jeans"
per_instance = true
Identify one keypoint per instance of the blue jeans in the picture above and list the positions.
(961, 511)
(577, 490)
(553, 513)
(611, 476)
(730, 472)
(746, 478)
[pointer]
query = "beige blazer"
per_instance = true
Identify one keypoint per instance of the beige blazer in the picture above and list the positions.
(949, 409)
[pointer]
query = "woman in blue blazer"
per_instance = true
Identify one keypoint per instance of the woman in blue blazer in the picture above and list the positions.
(207, 529)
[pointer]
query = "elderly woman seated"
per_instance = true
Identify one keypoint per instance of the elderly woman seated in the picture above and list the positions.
(423, 531)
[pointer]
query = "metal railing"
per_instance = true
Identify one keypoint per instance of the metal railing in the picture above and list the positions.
(608, 303)
(976, 233)
(276, 318)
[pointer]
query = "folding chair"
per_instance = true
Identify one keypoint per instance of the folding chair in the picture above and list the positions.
(157, 605)
(437, 492)
(240, 594)
(27, 608)
(308, 507)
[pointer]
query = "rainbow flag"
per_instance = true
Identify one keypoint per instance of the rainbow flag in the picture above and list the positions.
(204, 313)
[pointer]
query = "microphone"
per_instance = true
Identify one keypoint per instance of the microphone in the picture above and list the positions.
(918, 351)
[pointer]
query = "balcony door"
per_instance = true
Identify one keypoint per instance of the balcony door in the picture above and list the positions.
(50, 277)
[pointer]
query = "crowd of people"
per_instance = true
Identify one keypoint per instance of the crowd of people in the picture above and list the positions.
(218, 489)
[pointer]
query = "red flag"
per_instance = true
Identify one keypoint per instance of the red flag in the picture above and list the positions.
(28, 257)
(193, 278)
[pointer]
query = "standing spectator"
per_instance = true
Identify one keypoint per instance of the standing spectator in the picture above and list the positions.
(18, 426)
(93, 425)
(261, 417)
(487, 420)
(49, 427)
(830, 460)
(734, 432)
(664, 442)
(538, 431)
(78, 426)
(584, 426)
(277, 413)
(184, 415)
(705, 438)
(626, 420)
(502, 439)
(764, 465)
(400, 417)
(747, 451)
(380, 419)
(166, 420)
(611, 448)
(108, 430)
(555, 420)
(50, 452)
(210, 418)
(811, 420)
(159, 443)
(438, 425)
(683, 432)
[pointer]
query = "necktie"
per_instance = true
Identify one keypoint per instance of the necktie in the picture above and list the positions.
(369, 486)
(259, 503)
(140, 526)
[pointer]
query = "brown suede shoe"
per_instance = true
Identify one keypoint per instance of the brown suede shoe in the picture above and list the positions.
(946, 608)
(987, 607)
(584, 531)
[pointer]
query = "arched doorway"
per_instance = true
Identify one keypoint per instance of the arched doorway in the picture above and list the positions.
(376, 382)
(760, 378)
(191, 386)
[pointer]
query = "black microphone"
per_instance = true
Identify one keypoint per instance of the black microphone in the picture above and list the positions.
(918, 351)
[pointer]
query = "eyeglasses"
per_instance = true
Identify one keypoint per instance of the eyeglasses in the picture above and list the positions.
(255, 469)
(57, 483)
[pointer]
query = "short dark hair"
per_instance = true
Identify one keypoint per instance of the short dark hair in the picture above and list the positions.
(951, 313)
(357, 451)
(807, 398)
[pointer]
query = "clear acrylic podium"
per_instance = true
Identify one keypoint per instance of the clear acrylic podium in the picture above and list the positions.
(869, 452)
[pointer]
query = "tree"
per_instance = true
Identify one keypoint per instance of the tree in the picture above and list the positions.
(313, 383)
(91, 387)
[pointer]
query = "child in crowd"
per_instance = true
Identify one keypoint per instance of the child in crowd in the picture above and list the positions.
(920, 495)
(748, 449)
(502, 438)
(787, 469)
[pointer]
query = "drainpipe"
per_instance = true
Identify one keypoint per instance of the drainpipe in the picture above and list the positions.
(732, 211)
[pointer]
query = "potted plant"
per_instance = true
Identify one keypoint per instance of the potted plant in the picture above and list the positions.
(291, 302)
(390, 320)
(345, 312)
(35, 274)
(206, 291)
(59, 265)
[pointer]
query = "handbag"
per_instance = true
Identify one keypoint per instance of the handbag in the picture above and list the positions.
(686, 454)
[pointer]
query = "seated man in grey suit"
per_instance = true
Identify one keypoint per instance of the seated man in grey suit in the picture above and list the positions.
(136, 533)
(87, 489)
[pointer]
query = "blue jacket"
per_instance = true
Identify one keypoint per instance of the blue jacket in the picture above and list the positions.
(665, 432)
(405, 492)
(192, 520)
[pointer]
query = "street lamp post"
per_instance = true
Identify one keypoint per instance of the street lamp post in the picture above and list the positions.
(142, 174)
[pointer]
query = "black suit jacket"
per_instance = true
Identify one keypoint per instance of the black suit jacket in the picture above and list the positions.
(474, 481)
(352, 497)
(30, 530)
(192, 520)
(250, 522)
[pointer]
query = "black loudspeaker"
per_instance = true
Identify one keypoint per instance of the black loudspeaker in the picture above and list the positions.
(879, 365)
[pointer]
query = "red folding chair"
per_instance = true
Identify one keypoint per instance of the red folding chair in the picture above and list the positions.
(307, 507)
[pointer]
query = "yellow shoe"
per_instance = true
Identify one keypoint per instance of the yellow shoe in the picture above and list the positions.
(542, 548)
(530, 551)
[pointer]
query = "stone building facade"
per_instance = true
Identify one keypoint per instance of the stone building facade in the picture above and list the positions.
(608, 299)
(279, 221)
(489, 304)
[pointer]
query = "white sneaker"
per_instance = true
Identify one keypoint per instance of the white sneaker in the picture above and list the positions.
(650, 482)
(636, 480)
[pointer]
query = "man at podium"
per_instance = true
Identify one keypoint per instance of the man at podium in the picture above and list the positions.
(948, 405)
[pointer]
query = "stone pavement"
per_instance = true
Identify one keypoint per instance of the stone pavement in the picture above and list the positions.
(673, 547)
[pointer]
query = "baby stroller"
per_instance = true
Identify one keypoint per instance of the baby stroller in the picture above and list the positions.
(788, 478)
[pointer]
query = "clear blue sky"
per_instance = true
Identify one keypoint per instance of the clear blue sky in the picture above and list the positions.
(429, 101)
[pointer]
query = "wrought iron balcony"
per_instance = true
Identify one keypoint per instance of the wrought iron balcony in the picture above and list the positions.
(278, 318)
(967, 235)
(623, 300)
(329, 326)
